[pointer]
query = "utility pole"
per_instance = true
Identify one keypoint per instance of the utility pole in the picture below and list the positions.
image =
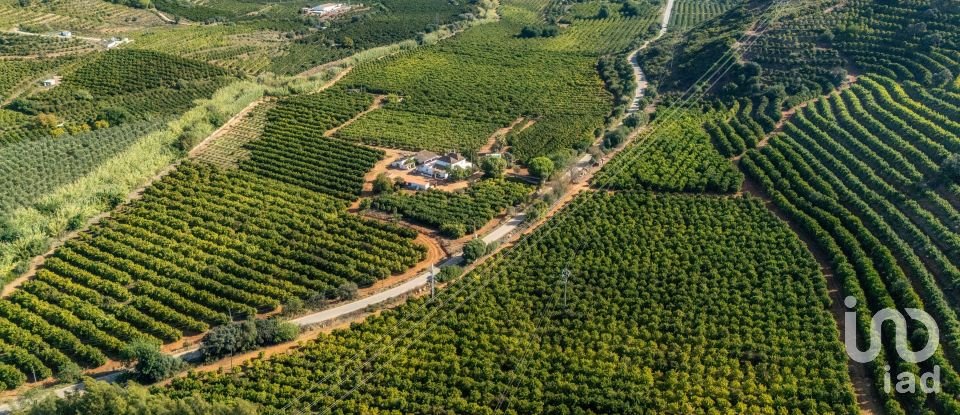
(230, 312)
(565, 277)
(432, 280)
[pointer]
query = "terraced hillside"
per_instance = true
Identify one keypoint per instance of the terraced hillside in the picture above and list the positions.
(90, 17)
(871, 174)
(804, 49)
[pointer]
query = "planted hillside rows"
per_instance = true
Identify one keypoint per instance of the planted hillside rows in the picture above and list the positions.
(33, 168)
(458, 213)
(689, 13)
(88, 16)
(138, 82)
(17, 45)
(645, 326)
(230, 148)
(458, 92)
(676, 156)
(293, 149)
(130, 70)
(16, 72)
(202, 245)
(859, 172)
(813, 48)
(259, 38)
(746, 125)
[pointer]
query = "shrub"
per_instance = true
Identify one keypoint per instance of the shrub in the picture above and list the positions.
(152, 365)
(274, 331)
(493, 167)
(448, 273)
(541, 167)
(474, 249)
(11, 377)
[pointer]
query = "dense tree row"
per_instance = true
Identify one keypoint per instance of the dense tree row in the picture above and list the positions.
(201, 246)
(293, 148)
(618, 77)
(123, 85)
(674, 155)
(673, 303)
(459, 213)
(489, 76)
(32, 168)
(856, 171)
(110, 398)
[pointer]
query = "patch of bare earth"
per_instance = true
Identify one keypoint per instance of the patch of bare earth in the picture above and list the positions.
(497, 135)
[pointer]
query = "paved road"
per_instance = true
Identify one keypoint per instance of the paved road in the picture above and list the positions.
(378, 298)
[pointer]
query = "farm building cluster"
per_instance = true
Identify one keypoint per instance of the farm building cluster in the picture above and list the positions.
(326, 9)
(429, 165)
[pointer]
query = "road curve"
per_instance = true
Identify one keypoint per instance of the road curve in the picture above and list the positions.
(633, 58)
(500, 233)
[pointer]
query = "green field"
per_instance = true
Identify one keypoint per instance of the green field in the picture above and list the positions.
(861, 171)
(672, 299)
(460, 213)
(702, 269)
(489, 75)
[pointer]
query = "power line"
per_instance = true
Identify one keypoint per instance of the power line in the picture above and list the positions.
(463, 284)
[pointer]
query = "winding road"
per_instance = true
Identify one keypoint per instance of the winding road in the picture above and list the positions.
(503, 232)
(635, 62)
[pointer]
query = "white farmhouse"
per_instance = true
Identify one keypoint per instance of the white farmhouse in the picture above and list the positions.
(440, 167)
(52, 82)
(453, 160)
(416, 183)
(323, 9)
